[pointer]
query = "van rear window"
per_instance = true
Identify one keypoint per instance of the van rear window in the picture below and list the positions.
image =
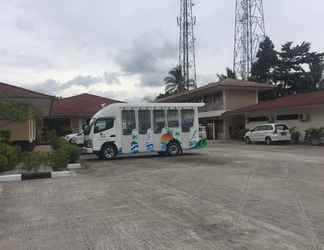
(281, 127)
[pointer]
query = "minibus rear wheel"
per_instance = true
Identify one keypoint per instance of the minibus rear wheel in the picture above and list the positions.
(174, 149)
(108, 152)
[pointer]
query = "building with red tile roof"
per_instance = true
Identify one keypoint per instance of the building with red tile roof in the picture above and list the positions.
(302, 111)
(12, 91)
(25, 131)
(294, 101)
(71, 113)
(220, 97)
(84, 105)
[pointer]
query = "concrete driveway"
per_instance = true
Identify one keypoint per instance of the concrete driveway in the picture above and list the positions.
(230, 196)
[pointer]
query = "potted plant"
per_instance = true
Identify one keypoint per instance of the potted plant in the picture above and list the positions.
(314, 135)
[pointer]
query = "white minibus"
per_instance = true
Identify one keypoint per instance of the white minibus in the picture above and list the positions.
(165, 128)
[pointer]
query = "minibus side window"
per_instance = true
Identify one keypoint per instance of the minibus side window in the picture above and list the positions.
(173, 118)
(159, 121)
(187, 120)
(128, 121)
(103, 124)
(144, 121)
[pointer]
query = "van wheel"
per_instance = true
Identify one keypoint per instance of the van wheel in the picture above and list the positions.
(173, 149)
(108, 152)
(268, 141)
(247, 140)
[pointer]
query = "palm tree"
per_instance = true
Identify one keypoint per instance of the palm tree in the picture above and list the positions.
(230, 74)
(175, 81)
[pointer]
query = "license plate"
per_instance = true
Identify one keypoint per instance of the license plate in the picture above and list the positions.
(283, 133)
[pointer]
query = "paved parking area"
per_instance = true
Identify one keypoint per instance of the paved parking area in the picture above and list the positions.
(230, 196)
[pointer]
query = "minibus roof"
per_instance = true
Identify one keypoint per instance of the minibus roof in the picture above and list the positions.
(117, 106)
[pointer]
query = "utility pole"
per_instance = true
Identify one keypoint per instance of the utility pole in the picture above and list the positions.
(187, 53)
(249, 32)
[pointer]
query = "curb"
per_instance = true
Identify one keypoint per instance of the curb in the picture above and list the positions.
(34, 176)
(72, 166)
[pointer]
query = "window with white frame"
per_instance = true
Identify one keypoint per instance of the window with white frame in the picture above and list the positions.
(128, 121)
(144, 121)
(187, 120)
(159, 121)
(173, 118)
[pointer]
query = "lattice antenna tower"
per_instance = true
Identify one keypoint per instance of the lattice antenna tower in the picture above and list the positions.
(187, 40)
(249, 32)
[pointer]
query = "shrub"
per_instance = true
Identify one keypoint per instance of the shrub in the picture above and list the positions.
(12, 155)
(32, 161)
(59, 159)
(314, 135)
(52, 137)
(3, 163)
(4, 136)
(59, 143)
(295, 135)
(64, 153)
(73, 152)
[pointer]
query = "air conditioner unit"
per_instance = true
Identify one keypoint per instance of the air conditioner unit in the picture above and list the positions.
(304, 117)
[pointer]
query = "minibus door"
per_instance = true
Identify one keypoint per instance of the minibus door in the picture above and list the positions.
(188, 133)
(130, 143)
(104, 131)
(145, 132)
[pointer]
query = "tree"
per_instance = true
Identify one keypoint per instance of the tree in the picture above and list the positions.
(298, 69)
(267, 59)
(230, 74)
(175, 81)
(316, 67)
(12, 111)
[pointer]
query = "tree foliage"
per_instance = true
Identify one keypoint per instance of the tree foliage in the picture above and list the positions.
(293, 69)
(13, 111)
(175, 82)
(267, 59)
(298, 69)
(230, 74)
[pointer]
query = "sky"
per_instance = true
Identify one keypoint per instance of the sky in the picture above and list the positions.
(123, 49)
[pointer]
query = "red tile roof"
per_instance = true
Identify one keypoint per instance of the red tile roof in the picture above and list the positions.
(216, 86)
(299, 100)
(80, 105)
(11, 91)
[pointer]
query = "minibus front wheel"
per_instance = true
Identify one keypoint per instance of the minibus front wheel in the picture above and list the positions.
(108, 152)
(174, 149)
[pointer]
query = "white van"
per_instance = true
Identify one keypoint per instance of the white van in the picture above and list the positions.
(268, 133)
(166, 128)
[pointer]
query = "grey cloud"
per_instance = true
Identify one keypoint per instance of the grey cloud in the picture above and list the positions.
(112, 78)
(85, 81)
(53, 87)
(148, 57)
(50, 87)
(24, 25)
(24, 59)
